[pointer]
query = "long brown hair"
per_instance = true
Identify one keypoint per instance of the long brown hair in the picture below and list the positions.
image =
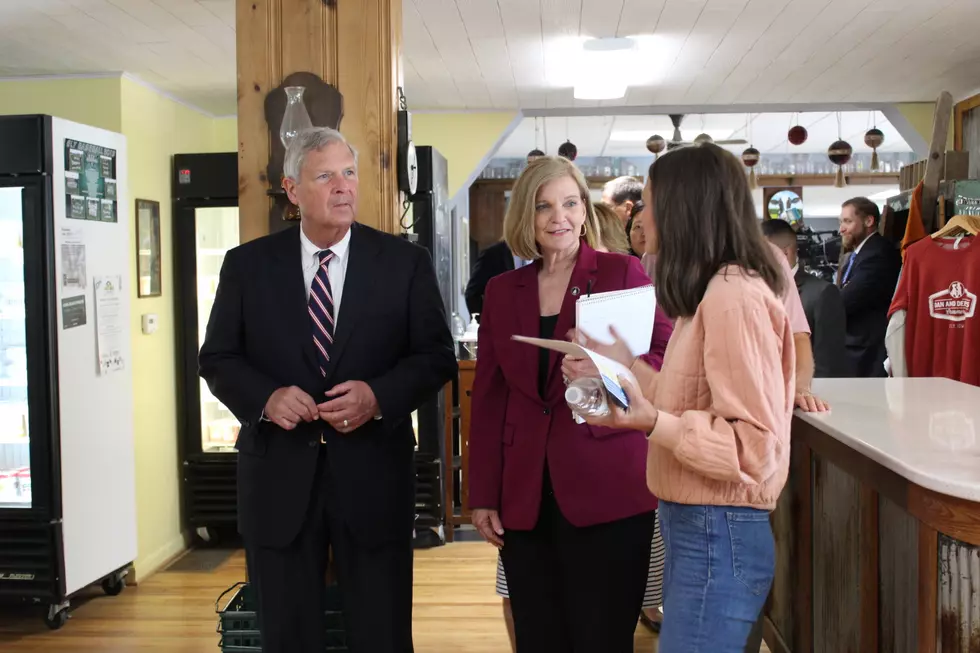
(705, 218)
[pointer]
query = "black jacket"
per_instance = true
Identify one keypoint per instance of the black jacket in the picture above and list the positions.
(824, 311)
(492, 261)
(867, 294)
(392, 334)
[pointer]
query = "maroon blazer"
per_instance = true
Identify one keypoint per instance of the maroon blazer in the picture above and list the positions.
(598, 474)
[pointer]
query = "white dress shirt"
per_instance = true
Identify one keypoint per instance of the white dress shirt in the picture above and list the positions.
(336, 268)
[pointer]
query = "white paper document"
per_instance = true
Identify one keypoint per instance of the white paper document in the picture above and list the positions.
(631, 311)
(109, 323)
(609, 370)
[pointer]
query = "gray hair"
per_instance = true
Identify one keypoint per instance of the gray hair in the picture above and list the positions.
(621, 189)
(310, 140)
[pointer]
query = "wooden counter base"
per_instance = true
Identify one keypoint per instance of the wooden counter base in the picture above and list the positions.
(868, 561)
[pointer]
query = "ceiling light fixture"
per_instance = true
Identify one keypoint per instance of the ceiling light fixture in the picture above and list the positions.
(604, 68)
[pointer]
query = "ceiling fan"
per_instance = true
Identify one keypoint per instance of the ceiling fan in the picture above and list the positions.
(678, 140)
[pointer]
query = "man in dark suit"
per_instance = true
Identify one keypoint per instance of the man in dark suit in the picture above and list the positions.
(322, 340)
(867, 285)
(822, 305)
(492, 261)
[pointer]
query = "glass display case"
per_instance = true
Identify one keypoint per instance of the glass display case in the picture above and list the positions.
(15, 461)
(216, 231)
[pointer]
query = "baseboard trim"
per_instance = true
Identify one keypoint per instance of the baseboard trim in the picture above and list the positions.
(160, 559)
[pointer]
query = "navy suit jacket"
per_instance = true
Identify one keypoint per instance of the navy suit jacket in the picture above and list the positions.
(867, 293)
(392, 334)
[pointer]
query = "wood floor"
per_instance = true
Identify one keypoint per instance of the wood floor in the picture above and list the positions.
(456, 611)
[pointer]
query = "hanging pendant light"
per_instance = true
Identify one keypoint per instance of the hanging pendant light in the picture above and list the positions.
(873, 138)
(750, 157)
(568, 150)
(839, 153)
(656, 145)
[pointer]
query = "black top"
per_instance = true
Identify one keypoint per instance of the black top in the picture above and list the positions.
(548, 324)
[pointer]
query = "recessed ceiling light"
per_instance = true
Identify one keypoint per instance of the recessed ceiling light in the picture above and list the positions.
(604, 68)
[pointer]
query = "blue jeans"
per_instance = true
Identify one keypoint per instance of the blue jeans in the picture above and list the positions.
(720, 565)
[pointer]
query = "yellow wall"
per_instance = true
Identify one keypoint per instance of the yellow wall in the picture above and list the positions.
(88, 101)
(225, 134)
(155, 127)
(465, 139)
(920, 116)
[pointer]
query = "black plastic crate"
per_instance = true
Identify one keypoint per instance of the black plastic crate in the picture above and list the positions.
(249, 641)
(239, 627)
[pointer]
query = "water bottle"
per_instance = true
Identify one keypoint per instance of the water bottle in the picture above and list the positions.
(459, 327)
(586, 397)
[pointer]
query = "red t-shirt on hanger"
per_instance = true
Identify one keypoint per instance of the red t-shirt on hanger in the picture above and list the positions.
(938, 290)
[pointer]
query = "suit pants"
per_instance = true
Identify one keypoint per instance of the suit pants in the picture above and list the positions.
(375, 583)
(577, 590)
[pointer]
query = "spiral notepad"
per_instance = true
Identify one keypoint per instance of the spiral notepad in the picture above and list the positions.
(631, 311)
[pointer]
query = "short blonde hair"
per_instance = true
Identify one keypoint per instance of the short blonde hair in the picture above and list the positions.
(612, 231)
(519, 221)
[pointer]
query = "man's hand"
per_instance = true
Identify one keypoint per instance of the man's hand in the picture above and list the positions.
(488, 523)
(287, 407)
(353, 405)
(810, 403)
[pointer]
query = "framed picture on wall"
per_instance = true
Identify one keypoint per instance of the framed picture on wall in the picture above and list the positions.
(783, 203)
(148, 248)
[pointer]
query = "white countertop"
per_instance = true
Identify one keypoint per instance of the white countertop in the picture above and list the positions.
(926, 430)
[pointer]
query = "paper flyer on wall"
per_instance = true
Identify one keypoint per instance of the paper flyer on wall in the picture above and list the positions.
(109, 324)
(74, 277)
(609, 370)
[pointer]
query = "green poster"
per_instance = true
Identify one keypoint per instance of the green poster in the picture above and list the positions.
(90, 182)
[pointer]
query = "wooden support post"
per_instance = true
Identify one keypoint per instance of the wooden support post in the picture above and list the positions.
(355, 46)
(934, 164)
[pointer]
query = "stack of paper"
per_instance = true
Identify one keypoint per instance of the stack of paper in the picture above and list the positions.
(631, 311)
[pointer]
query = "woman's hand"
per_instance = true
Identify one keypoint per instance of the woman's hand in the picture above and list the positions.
(573, 368)
(618, 351)
(810, 403)
(642, 416)
(488, 523)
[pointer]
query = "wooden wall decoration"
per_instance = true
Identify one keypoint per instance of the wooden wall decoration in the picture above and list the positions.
(325, 105)
(354, 46)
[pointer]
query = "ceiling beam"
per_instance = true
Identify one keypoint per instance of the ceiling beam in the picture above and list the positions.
(699, 109)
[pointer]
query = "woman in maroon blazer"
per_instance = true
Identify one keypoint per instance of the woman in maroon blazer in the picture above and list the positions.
(567, 503)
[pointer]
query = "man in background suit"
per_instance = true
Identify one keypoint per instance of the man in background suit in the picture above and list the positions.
(867, 285)
(322, 340)
(822, 305)
(492, 261)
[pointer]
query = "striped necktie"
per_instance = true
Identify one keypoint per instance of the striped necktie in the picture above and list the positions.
(321, 311)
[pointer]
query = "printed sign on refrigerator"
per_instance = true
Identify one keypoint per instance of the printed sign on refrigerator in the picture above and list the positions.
(109, 324)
